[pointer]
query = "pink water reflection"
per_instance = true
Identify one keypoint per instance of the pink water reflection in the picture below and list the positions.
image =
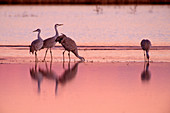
(95, 87)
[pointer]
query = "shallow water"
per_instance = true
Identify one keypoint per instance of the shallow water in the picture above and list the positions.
(114, 26)
(85, 87)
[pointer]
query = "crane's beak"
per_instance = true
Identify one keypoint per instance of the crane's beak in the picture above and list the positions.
(35, 30)
(59, 24)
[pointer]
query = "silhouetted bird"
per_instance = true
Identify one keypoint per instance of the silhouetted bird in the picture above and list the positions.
(145, 45)
(36, 44)
(50, 42)
(69, 45)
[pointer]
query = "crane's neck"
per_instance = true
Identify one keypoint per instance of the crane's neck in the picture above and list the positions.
(39, 35)
(56, 31)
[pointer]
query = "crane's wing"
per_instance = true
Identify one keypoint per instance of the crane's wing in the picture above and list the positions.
(49, 42)
(32, 47)
(36, 45)
(69, 44)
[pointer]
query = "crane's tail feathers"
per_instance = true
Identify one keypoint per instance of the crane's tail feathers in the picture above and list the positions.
(31, 50)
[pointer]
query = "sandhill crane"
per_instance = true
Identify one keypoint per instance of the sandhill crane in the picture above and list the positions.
(69, 45)
(36, 44)
(50, 42)
(145, 45)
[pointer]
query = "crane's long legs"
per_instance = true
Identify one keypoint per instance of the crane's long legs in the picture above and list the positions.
(69, 55)
(63, 56)
(51, 65)
(36, 59)
(35, 66)
(147, 55)
(51, 54)
(144, 57)
(63, 65)
(45, 54)
(69, 65)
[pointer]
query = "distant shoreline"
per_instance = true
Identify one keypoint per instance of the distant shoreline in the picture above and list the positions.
(84, 1)
(101, 47)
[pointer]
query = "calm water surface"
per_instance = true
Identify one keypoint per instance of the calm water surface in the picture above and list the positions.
(85, 88)
(115, 25)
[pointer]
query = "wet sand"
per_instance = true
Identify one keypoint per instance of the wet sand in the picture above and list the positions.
(120, 87)
(22, 55)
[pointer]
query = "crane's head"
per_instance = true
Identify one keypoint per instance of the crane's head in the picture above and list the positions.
(58, 25)
(60, 38)
(37, 30)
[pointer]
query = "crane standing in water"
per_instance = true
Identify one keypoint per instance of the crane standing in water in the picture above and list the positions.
(69, 45)
(36, 44)
(145, 45)
(50, 42)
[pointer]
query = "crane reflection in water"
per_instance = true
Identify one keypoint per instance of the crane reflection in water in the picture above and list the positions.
(36, 75)
(146, 74)
(48, 73)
